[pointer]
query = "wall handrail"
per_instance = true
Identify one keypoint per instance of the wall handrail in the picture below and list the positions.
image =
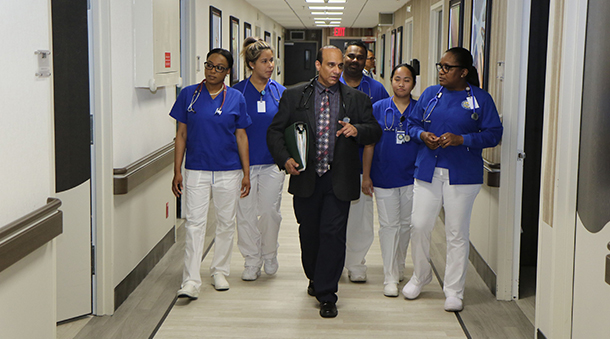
(26, 234)
(127, 178)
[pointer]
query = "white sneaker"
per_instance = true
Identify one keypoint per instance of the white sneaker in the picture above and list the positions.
(356, 277)
(271, 266)
(251, 273)
(453, 304)
(220, 283)
(189, 290)
(412, 290)
(390, 290)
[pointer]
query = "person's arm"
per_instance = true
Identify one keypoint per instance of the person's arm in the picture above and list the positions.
(367, 160)
(369, 131)
(244, 157)
(180, 147)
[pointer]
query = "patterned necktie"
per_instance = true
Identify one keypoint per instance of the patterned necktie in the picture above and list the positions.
(323, 128)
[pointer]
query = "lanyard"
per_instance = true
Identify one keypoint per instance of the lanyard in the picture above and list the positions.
(269, 83)
(198, 92)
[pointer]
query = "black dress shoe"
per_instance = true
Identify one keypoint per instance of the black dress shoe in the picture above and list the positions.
(310, 290)
(328, 309)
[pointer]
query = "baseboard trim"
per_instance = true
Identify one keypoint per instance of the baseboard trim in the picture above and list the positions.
(483, 269)
(135, 277)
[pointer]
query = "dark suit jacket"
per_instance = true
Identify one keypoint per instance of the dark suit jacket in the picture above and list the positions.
(346, 165)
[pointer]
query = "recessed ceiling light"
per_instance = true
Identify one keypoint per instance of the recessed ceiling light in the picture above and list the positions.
(326, 13)
(328, 8)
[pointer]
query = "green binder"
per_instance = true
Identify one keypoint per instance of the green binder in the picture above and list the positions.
(295, 137)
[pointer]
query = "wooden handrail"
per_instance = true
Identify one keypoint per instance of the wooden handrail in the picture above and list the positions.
(127, 178)
(26, 234)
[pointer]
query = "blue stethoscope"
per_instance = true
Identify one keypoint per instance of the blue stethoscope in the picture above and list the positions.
(391, 128)
(437, 96)
(269, 84)
(196, 94)
(360, 87)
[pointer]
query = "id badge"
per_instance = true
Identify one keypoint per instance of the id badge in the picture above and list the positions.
(402, 137)
(470, 102)
(261, 106)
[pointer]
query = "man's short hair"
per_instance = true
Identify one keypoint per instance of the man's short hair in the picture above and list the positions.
(359, 44)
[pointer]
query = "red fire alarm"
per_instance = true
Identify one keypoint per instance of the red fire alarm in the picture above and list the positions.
(168, 60)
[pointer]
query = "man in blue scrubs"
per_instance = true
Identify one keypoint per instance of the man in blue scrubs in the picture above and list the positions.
(360, 232)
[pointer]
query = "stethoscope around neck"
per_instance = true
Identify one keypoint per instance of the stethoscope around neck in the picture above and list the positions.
(361, 87)
(269, 83)
(390, 109)
(197, 92)
(439, 94)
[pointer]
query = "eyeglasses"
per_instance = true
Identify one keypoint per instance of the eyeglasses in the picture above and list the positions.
(445, 68)
(219, 69)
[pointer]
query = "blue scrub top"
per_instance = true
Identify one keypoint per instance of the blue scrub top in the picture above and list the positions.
(210, 142)
(371, 87)
(393, 164)
(375, 91)
(453, 114)
(257, 132)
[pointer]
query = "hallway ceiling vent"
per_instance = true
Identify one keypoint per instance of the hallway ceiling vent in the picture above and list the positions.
(297, 35)
(386, 19)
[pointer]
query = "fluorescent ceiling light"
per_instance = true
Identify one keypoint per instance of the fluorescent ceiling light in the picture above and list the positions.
(327, 19)
(326, 13)
(327, 25)
(328, 8)
(335, 22)
(322, 1)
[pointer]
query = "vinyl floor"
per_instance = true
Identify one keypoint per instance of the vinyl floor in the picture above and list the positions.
(278, 306)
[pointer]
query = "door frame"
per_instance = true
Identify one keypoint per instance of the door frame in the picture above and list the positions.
(511, 180)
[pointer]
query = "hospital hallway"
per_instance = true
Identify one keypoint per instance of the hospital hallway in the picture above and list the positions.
(278, 306)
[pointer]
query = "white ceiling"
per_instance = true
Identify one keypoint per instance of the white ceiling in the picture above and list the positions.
(296, 13)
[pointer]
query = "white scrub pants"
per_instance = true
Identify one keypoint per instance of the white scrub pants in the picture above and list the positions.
(225, 187)
(258, 215)
(457, 201)
(360, 233)
(394, 211)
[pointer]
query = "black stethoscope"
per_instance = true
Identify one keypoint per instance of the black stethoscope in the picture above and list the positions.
(311, 85)
(471, 102)
(198, 92)
(269, 84)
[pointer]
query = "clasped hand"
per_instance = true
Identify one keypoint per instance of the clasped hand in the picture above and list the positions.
(445, 140)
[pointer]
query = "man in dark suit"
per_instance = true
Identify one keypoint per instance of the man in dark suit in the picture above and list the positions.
(338, 118)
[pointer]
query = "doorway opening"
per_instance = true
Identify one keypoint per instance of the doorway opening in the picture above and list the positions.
(534, 115)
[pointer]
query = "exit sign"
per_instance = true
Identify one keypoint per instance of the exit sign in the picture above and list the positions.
(339, 31)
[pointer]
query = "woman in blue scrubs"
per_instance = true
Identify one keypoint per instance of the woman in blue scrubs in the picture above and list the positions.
(258, 215)
(453, 122)
(211, 130)
(388, 173)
